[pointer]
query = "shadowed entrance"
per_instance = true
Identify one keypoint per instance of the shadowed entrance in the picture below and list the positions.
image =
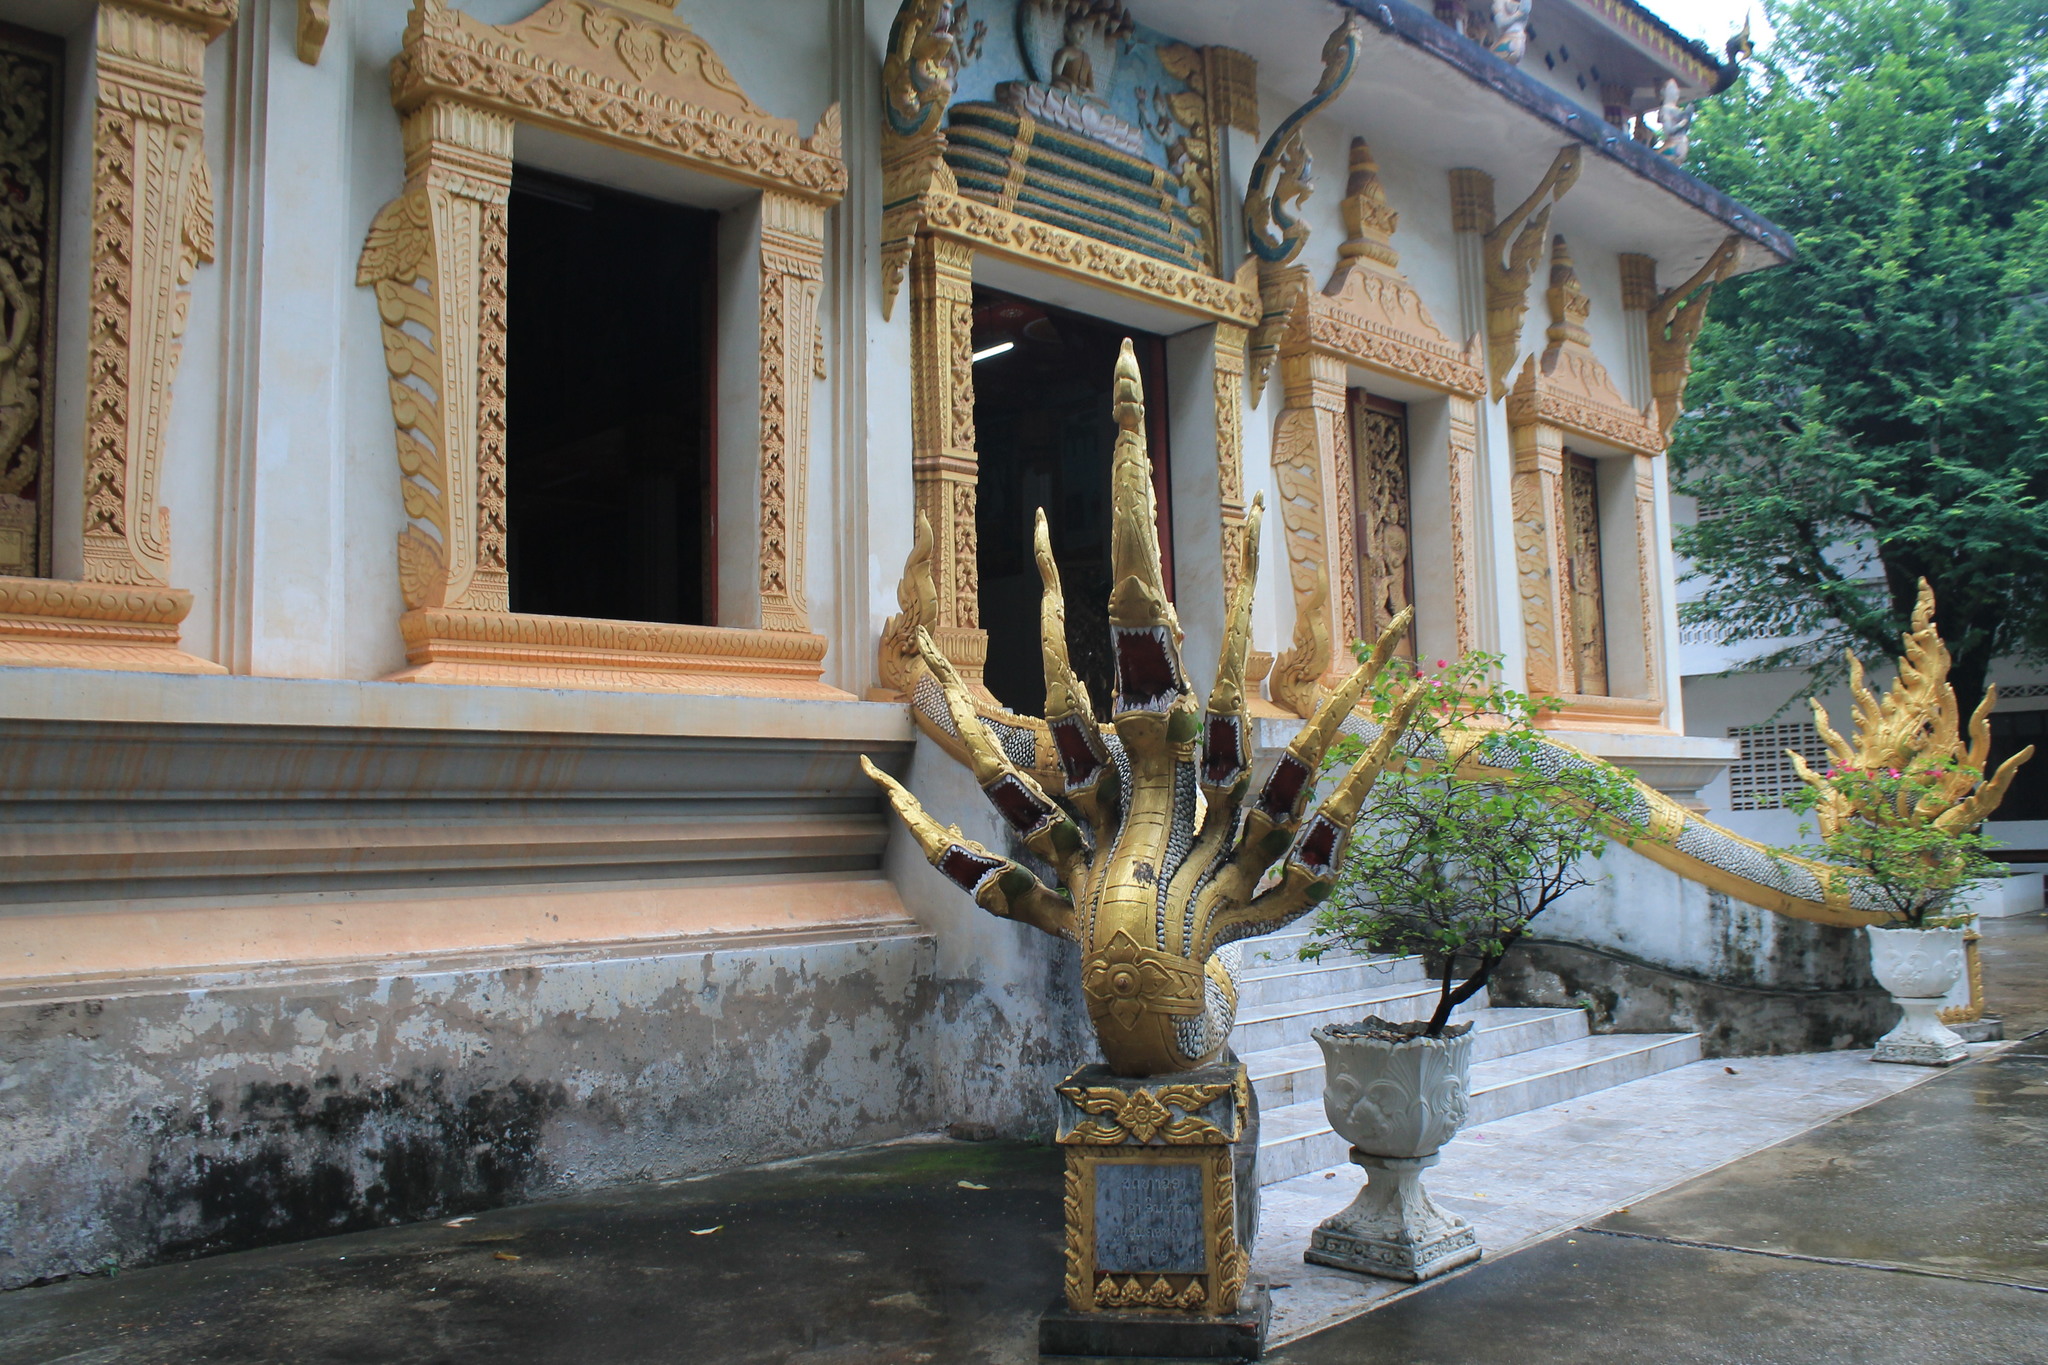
(1044, 421)
(608, 404)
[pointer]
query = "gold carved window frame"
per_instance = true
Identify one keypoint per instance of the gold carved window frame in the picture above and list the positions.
(1566, 397)
(931, 235)
(151, 208)
(1368, 319)
(629, 75)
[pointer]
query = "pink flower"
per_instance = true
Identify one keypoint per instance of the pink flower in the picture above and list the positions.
(1892, 771)
(1440, 663)
(1831, 772)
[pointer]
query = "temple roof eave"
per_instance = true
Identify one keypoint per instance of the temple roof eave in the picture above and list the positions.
(1497, 118)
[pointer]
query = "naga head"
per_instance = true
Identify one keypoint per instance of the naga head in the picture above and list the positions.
(1162, 852)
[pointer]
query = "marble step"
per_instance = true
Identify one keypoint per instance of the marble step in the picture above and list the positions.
(1294, 1074)
(1564, 1071)
(1295, 1139)
(1260, 1027)
(1284, 946)
(1272, 985)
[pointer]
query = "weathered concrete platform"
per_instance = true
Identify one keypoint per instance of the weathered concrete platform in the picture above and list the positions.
(1907, 1230)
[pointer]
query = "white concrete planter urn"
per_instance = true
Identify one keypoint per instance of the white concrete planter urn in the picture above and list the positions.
(1918, 966)
(1397, 1103)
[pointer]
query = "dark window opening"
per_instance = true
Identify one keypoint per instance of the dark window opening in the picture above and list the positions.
(2012, 731)
(608, 374)
(1045, 426)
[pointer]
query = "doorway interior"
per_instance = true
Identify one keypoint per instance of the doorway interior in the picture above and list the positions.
(1045, 427)
(609, 401)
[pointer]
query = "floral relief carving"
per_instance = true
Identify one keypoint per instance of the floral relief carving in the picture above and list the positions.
(436, 257)
(792, 272)
(1587, 618)
(1380, 440)
(1464, 481)
(1228, 392)
(966, 555)
(1298, 477)
(1536, 578)
(152, 227)
(1023, 239)
(942, 429)
(31, 72)
(1341, 472)
(1647, 559)
(604, 71)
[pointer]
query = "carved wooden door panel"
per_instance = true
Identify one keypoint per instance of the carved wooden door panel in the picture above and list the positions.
(1384, 526)
(1582, 565)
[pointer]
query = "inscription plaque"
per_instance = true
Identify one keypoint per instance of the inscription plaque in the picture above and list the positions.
(1148, 1218)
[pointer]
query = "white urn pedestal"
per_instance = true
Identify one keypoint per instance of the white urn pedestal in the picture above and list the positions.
(1918, 967)
(1397, 1104)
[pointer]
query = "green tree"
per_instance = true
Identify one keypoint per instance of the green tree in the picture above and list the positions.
(1453, 865)
(1877, 412)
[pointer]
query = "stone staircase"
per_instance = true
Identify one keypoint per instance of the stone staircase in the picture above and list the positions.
(1523, 1058)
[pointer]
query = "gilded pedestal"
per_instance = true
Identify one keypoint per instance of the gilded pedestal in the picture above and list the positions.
(1158, 1234)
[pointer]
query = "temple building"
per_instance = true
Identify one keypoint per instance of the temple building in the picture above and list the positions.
(471, 478)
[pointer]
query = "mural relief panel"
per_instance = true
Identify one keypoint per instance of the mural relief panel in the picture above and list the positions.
(31, 71)
(1379, 441)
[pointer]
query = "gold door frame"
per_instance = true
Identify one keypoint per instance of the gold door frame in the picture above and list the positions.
(931, 236)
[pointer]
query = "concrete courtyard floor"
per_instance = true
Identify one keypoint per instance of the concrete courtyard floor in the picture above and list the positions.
(1902, 1216)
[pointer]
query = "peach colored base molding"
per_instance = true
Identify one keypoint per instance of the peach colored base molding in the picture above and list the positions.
(1631, 714)
(55, 623)
(512, 649)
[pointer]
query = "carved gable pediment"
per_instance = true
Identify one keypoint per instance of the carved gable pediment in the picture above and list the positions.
(1369, 315)
(620, 71)
(1373, 317)
(1567, 386)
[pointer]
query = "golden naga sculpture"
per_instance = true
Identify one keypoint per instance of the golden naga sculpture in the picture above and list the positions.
(1157, 873)
(1915, 732)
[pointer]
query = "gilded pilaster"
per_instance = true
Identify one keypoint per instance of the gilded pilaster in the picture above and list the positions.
(152, 227)
(1311, 469)
(1540, 557)
(943, 461)
(436, 256)
(792, 356)
(1463, 416)
(1648, 603)
(1229, 394)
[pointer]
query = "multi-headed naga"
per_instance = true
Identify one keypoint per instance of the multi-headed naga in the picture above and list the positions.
(1161, 864)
